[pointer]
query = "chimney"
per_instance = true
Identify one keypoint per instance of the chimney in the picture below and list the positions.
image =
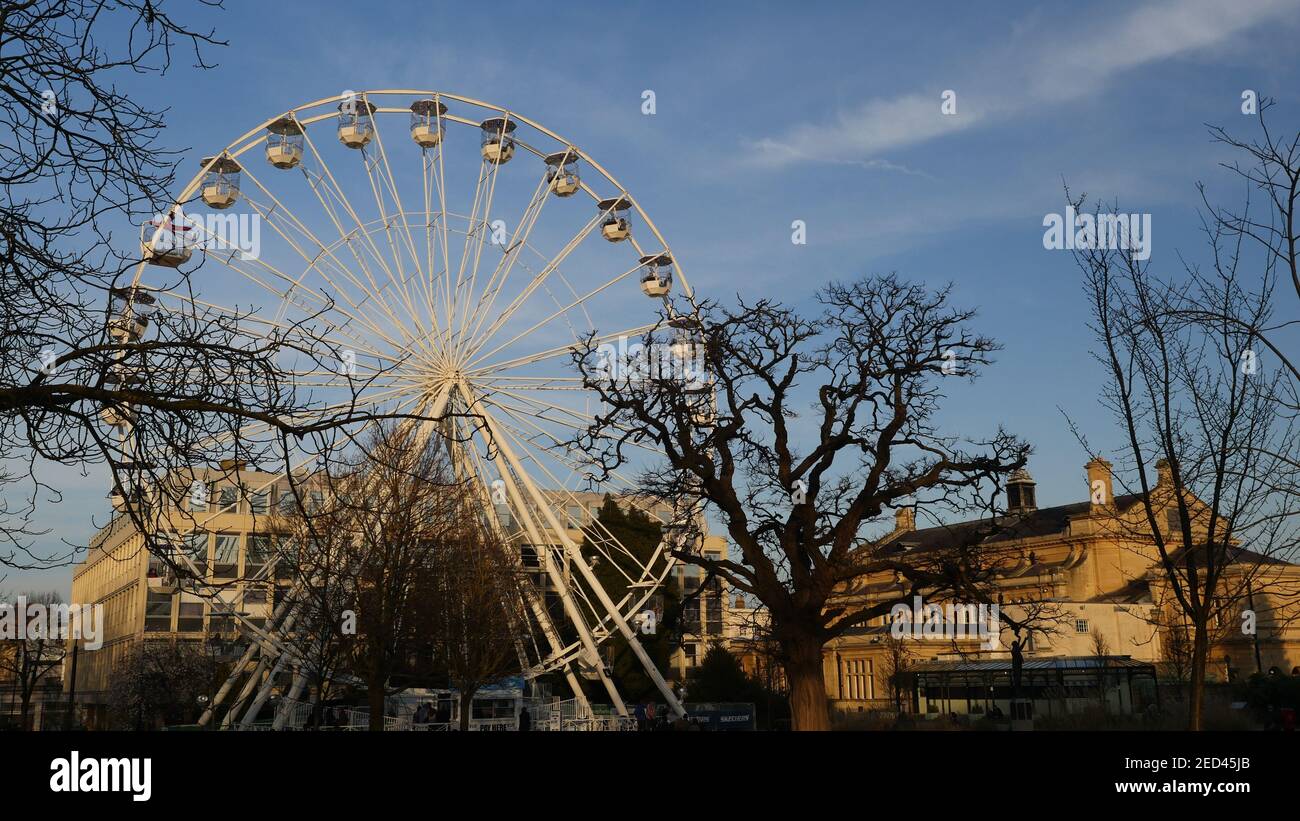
(1164, 478)
(904, 520)
(1101, 492)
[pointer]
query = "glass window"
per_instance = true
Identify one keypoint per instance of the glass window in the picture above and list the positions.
(189, 617)
(195, 546)
(257, 554)
(158, 612)
(225, 556)
(259, 502)
(229, 499)
(690, 578)
(1081, 625)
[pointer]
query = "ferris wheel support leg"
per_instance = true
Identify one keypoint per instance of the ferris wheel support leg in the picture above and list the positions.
(254, 681)
(229, 683)
(253, 648)
(258, 671)
(299, 682)
(575, 556)
(529, 593)
(566, 599)
(250, 715)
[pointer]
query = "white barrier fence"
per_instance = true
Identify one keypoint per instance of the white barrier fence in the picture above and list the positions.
(553, 716)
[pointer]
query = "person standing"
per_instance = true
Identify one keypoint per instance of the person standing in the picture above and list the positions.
(525, 720)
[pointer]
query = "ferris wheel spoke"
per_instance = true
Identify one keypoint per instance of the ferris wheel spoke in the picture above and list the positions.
(562, 350)
(510, 254)
(428, 183)
(602, 547)
(315, 261)
(534, 284)
(293, 293)
(557, 415)
(390, 184)
(350, 341)
(367, 241)
(561, 312)
(473, 226)
(445, 281)
(481, 231)
(360, 246)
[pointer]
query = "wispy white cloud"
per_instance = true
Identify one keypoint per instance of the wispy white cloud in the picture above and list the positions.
(1056, 68)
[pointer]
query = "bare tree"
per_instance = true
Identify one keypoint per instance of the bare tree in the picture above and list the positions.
(799, 500)
(161, 682)
(1270, 166)
(390, 507)
(31, 660)
(1194, 396)
(95, 369)
(898, 658)
(313, 554)
(475, 609)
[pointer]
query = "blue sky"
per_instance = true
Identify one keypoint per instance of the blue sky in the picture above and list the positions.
(823, 112)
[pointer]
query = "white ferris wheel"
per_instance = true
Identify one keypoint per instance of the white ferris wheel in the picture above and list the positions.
(455, 252)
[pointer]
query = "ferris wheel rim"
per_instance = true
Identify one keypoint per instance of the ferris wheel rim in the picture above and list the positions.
(257, 136)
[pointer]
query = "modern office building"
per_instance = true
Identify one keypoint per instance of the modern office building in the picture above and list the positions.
(224, 535)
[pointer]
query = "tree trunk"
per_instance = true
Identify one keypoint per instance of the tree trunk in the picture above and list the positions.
(375, 698)
(809, 709)
(1196, 686)
(466, 708)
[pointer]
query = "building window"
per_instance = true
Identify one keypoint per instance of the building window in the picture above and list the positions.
(196, 547)
(1172, 522)
(1081, 625)
(691, 617)
(256, 555)
(158, 612)
(575, 516)
(189, 619)
(690, 579)
(229, 499)
(857, 679)
(691, 652)
(225, 556)
(259, 502)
